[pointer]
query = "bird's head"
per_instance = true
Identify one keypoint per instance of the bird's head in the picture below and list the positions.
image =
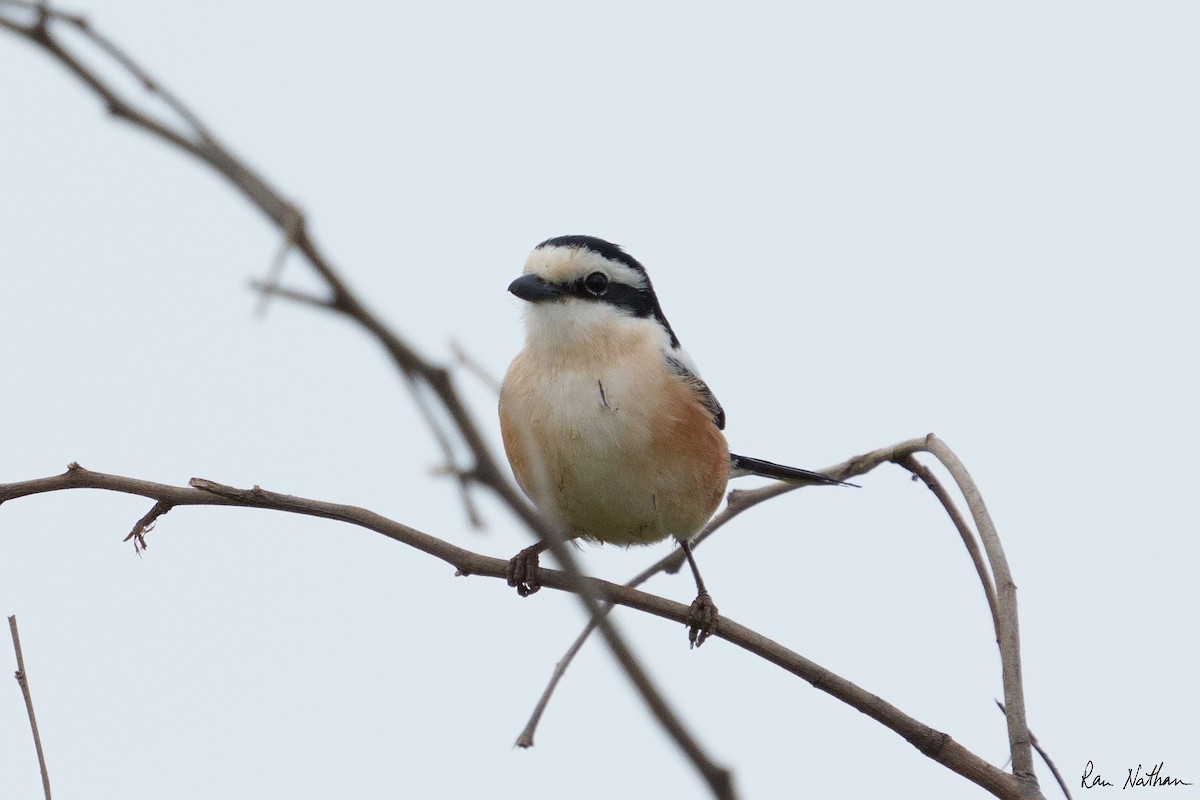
(582, 290)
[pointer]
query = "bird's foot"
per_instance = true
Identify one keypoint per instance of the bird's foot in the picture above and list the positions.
(702, 619)
(522, 571)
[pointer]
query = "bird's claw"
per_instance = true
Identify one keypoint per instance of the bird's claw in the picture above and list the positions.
(522, 571)
(702, 619)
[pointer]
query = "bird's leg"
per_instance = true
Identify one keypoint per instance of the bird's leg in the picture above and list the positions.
(522, 570)
(702, 616)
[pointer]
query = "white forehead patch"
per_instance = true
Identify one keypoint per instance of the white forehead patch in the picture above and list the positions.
(558, 264)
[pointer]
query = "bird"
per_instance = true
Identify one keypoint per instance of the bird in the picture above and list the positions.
(608, 427)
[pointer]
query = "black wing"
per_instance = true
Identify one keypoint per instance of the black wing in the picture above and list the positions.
(707, 398)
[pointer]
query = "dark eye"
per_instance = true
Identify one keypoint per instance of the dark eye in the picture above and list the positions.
(596, 283)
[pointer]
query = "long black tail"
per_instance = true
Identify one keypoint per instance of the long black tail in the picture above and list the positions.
(743, 465)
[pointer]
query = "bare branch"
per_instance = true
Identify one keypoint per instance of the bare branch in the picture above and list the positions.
(76, 477)
(1009, 637)
(525, 738)
(23, 680)
(932, 743)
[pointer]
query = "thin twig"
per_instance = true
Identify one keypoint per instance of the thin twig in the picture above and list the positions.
(295, 295)
(142, 76)
(525, 738)
(968, 537)
(270, 286)
(23, 680)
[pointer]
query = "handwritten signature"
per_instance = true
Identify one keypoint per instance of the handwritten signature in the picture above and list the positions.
(1135, 778)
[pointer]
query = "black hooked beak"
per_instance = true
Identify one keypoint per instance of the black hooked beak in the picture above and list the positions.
(535, 290)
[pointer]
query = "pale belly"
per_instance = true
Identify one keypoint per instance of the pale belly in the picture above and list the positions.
(596, 452)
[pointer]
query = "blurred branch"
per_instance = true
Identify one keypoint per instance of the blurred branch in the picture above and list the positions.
(191, 136)
(460, 476)
(474, 367)
(23, 680)
(270, 287)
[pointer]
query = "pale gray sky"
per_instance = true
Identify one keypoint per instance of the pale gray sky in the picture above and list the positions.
(866, 221)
